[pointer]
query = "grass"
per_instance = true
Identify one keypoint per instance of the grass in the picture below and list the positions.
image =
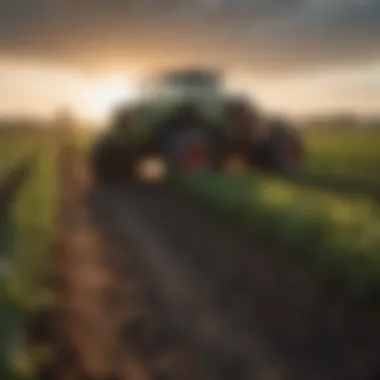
(343, 159)
(344, 151)
(32, 225)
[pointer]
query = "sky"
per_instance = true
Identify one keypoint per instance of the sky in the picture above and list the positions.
(295, 56)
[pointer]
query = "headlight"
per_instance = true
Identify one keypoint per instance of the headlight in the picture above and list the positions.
(151, 169)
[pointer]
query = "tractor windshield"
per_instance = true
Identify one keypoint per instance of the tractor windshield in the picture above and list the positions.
(188, 85)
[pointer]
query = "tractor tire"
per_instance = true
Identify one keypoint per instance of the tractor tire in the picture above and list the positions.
(111, 162)
(191, 149)
(188, 143)
(281, 152)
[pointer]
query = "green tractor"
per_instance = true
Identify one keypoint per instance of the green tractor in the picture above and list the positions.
(186, 122)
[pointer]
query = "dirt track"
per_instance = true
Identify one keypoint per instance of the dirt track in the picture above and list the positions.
(242, 300)
(108, 323)
(150, 287)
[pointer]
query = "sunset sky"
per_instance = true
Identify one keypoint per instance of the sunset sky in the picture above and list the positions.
(297, 56)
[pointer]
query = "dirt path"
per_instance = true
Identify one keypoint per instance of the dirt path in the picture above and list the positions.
(249, 306)
(150, 287)
(107, 324)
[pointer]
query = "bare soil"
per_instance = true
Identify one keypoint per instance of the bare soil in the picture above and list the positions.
(150, 287)
(253, 307)
(107, 323)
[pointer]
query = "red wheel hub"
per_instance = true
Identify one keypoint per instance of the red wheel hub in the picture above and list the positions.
(195, 157)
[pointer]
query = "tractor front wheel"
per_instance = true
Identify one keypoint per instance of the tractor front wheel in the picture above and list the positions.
(111, 162)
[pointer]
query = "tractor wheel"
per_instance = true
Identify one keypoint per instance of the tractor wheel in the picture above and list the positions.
(281, 152)
(192, 149)
(111, 162)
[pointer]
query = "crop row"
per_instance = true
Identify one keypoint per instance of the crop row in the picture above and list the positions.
(12, 149)
(340, 235)
(30, 227)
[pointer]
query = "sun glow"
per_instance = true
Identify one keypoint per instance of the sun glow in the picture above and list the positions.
(101, 96)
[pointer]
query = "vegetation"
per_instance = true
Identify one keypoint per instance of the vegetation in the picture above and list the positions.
(334, 221)
(340, 235)
(337, 232)
(346, 159)
(30, 228)
(12, 148)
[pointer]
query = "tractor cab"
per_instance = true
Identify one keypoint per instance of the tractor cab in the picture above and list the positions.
(188, 84)
(202, 88)
(168, 94)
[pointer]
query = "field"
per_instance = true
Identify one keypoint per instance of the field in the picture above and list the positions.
(334, 221)
(328, 214)
(344, 160)
(349, 153)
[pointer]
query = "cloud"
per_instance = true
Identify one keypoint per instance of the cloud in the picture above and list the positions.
(265, 37)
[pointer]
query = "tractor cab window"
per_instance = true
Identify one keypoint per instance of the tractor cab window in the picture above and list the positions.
(188, 84)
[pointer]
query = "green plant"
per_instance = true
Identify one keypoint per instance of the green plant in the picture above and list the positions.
(340, 235)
